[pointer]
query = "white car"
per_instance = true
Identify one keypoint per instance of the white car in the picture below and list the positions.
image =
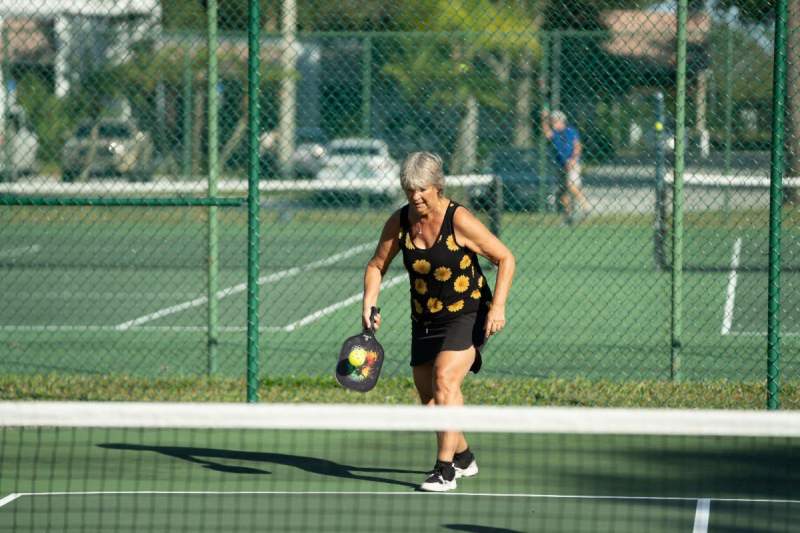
(309, 153)
(361, 165)
(19, 155)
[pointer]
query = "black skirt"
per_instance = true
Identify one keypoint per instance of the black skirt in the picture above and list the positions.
(460, 333)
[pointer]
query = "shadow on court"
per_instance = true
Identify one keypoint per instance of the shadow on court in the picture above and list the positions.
(711, 467)
(209, 457)
(474, 528)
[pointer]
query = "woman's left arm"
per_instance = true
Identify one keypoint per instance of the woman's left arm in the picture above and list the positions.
(471, 233)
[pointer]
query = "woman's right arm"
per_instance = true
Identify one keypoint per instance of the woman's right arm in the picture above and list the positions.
(387, 248)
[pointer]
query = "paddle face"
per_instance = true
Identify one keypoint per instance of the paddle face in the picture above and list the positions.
(360, 361)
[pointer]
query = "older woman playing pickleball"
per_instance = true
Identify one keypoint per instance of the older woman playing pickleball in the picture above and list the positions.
(453, 312)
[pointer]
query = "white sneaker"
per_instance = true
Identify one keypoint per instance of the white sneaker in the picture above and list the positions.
(469, 471)
(436, 482)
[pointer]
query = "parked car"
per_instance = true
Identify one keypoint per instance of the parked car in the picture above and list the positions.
(109, 147)
(524, 189)
(309, 153)
(18, 145)
(357, 158)
(351, 160)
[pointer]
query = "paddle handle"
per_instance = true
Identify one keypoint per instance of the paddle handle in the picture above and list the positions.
(373, 312)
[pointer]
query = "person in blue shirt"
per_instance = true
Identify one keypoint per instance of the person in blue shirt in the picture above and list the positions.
(567, 146)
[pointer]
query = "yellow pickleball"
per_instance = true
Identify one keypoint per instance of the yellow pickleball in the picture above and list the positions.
(357, 357)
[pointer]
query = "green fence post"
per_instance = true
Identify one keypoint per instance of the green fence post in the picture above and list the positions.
(496, 206)
(728, 95)
(676, 329)
(543, 104)
(775, 198)
(366, 91)
(253, 215)
(555, 79)
(8, 164)
(186, 145)
(728, 110)
(366, 103)
(212, 335)
(661, 212)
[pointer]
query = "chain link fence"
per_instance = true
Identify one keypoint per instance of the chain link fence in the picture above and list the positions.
(124, 233)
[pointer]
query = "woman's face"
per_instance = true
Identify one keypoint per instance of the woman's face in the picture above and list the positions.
(424, 201)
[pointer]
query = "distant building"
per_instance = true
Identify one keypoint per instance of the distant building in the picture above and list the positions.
(646, 42)
(69, 38)
(648, 37)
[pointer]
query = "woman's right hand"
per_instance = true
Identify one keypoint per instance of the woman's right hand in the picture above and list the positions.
(365, 319)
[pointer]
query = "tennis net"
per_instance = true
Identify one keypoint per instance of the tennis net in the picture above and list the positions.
(200, 467)
(726, 223)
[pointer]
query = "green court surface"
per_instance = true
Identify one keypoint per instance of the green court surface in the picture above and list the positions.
(215, 480)
(122, 290)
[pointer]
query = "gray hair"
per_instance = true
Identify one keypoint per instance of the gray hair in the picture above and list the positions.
(421, 169)
(558, 116)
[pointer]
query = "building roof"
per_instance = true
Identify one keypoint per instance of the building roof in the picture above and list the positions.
(110, 8)
(650, 35)
(27, 40)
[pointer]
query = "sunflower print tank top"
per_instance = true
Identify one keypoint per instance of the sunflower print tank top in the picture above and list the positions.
(446, 279)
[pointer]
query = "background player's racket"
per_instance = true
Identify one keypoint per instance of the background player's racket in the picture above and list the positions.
(360, 359)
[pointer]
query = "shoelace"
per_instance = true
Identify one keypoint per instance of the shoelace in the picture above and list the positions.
(438, 473)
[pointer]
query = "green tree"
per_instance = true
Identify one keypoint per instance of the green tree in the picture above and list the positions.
(461, 59)
(55, 118)
(138, 78)
(763, 12)
(313, 15)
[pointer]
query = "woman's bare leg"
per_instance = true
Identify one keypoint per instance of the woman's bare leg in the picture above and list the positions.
(449, 370)
(424, 382)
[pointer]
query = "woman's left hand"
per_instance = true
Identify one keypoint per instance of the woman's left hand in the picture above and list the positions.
(495, 320)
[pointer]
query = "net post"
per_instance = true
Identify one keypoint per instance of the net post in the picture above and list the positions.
(253, 215)
(496, 210)
(212, 333)
(775, 198)
(676, 329)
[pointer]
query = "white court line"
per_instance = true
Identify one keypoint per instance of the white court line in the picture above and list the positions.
(760, 334)
(10, 498)
(241, 287)
(316, 315)
(66, 328)
(420, 494)
(72, 295)
(730, 294)
(701, 515)
(11, 253)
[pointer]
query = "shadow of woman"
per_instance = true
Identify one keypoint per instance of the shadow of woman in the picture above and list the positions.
(210, 457)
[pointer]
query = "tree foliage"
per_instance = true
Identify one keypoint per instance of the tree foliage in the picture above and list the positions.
(750, 10)
(454, 61)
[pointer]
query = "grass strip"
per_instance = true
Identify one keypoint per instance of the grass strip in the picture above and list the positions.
(393, 390)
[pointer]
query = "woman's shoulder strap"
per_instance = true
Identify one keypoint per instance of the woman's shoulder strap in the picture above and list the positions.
(450, 215)
(404, 224)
